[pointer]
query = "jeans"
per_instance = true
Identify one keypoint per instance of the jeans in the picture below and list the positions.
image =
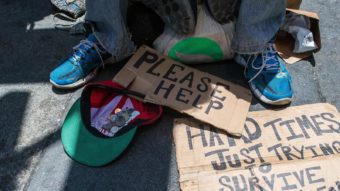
(257, 23)
(109, 26)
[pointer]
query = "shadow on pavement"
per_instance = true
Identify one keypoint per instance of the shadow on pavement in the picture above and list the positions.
(13, 161)
(27, 54)
(14, 104)
(30, 47)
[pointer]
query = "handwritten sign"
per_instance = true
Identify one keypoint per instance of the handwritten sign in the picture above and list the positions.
(199, 94)
(297, 148)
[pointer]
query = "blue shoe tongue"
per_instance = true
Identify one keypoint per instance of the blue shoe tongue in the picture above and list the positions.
(272, 62)
(82, 49)
(92, 38)
(78, 53)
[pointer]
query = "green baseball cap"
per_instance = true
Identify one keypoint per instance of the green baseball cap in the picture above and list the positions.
(102, 123)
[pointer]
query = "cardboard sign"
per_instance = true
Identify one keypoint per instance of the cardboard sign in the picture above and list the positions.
(285, 42)
(199, 94)
(293, 149)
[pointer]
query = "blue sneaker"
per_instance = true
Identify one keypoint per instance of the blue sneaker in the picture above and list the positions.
(80, 67)
(267, 76)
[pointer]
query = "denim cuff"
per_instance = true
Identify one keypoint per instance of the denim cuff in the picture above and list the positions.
(120, 49)
(249, 49)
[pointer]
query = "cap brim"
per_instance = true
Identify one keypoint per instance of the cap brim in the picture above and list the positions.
(86, 148)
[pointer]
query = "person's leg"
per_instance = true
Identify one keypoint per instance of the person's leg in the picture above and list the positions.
(257, 24)
(109, 40)
(109, 21)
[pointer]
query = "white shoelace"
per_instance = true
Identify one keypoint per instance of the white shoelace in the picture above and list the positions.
(265, 58)
(87, 45)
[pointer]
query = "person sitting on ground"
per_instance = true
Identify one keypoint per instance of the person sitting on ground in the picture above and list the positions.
(256, 27)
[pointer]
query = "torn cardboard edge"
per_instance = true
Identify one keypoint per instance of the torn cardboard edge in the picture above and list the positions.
(205, 97)
(285, 42)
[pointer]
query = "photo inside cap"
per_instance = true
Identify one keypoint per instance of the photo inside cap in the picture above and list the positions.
(100, 125)
(109, 111)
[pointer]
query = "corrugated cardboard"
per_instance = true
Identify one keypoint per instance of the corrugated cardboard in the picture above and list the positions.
(199, 94)
(285, 42)
(293, 149)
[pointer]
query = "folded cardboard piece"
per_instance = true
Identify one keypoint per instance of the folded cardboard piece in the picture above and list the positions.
(297, 148)
(203, 96)
(285, 42)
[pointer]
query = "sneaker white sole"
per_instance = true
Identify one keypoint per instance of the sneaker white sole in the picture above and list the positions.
(257, 93)
(83, 81)
(76, 84)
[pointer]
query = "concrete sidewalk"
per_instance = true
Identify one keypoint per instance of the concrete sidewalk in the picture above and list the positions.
(31, 111)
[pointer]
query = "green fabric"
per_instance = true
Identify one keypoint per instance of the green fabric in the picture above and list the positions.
(196, 46)
(86, 148)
